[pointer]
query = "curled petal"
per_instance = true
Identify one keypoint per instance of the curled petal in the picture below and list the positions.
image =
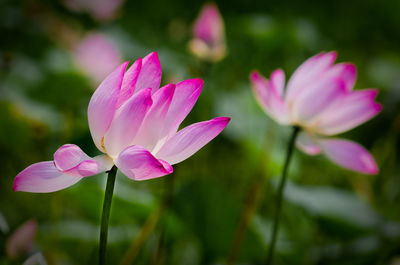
(129, 82)
(150, 74)
(127, 122)
(139, 164)
(349, 155)
(190, 139)
(43, 177)
(68, 156)
(71, 160)
(153, 123)
(306, 144)
(354, 109)
(268, 96)
(103, 103)
(308, 73)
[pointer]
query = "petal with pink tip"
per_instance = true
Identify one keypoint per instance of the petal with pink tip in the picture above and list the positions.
(129, 82)
(69, 159)
(278, 81)
(309, 72)
(186, 94)
(317, 98)
(127, 122)
(103, 103)
(139, 164)
(349, 155)
(68, 156)
(150, 74)
(345, 71)
(306, 144)
(269, 98)
(43, 177)
(190, 139)
(354, 109)
(20, 243)
(152, 126)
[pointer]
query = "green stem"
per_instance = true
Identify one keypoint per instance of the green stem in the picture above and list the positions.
(106, 214)
(280, 195)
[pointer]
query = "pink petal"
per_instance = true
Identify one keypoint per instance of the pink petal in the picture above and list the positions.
(69, 159)
(103, 103)
(68, 156)
(307, 73)
(190, 139)
(306, 144)
(317, 98)
(278, 81)
(43, 177)
(150, 74)
(152, 126)
(20, 243)
(353, 110)
(139, 164)
(269, 97)
(186, 94)
(345, 71)
(129, 82)
(127, 122)
(349, 155)
(209, 26)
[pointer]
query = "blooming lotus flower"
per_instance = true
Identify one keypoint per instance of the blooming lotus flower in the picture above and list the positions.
(135, 124)
(208, 41)
(319, 98)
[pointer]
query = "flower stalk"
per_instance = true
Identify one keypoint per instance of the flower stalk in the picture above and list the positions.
(279, 200)
(106, 214)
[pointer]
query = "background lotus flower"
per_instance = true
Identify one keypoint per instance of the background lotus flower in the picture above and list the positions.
(135, 124)
(319, 98)
(20, 243)
(95, 47)
(99, 9)
(208, 41)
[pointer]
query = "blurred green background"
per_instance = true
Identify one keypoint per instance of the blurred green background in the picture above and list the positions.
(330, 216)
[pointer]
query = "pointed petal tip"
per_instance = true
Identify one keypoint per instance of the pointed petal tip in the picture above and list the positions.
(152, 56)
(254, 75)
(222, 119)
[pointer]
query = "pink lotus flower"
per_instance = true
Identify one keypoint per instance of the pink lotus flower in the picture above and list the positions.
(209, 35)
(319, 98)
(135, 124)
(96, 48)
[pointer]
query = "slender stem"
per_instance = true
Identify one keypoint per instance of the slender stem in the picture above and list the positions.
(106, 214)
(280, 195)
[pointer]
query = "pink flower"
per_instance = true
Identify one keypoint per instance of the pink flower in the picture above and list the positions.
(319, 98)
(96, 48)
(208, 41)
(21, 241)
(135, 124)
